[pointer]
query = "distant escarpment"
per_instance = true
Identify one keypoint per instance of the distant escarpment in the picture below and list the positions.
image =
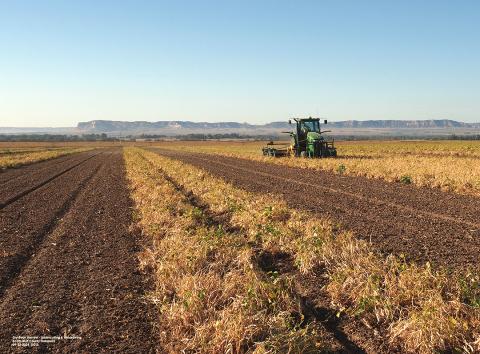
(173, 128)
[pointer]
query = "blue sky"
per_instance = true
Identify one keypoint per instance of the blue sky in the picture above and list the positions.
(256, 61)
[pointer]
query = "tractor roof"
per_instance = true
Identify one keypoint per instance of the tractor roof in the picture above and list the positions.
(306, 119)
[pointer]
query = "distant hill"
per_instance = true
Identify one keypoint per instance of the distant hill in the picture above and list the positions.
(383, 128)
(187, 127)
(111, 125)
(405, 124)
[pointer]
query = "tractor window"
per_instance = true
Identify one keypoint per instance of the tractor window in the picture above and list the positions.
(312, 126)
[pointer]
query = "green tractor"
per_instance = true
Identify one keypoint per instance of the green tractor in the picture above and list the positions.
(306, 141)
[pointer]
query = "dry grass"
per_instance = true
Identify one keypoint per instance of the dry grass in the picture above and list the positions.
(449, 165)
(211, 295)
(422, 310)
(13, 157)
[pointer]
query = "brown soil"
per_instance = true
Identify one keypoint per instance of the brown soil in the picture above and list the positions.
(424, 224)
(68, 263)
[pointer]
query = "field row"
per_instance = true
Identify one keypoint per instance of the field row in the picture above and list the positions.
(450, 165)
(424, 224)
(246, 255)
(14, 157)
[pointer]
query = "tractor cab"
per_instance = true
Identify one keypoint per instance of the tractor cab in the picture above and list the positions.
(309, 125)
(305, 128)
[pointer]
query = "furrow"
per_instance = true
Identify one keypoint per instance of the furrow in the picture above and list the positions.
(43, 183)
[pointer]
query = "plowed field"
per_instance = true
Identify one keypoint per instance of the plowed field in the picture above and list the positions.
(68, 265)
(423, 224)
(69, 269)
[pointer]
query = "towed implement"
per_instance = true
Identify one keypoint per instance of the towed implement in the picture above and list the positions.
(306, 141)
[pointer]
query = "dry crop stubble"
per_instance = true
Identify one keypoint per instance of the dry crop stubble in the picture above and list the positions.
(448, 165)
(423, 309)
(210, 293)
